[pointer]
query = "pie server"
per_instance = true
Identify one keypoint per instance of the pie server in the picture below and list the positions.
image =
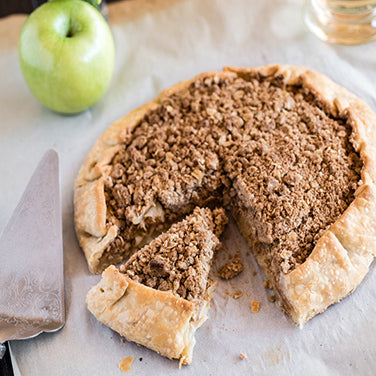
(31, 261)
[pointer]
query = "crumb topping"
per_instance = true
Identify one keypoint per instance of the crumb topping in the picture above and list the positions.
(125, 364)
(268, 284)
(273, 154)
(255, 306)
(238, 294)
(295, 175)
(231, 269)
(179, 260)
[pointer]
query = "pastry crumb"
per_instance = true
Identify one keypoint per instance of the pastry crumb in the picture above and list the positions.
(231, 269)
(125, 364)
(268, 284)
(254, 273)
(272, 298)
(255, 306)
(243, 356)
(248, 294)
(122, 340)
(237, 294)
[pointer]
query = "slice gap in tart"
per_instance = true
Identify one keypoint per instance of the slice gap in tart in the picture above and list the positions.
(161, 295)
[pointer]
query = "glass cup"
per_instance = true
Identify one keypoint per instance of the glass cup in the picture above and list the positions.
(342, 21)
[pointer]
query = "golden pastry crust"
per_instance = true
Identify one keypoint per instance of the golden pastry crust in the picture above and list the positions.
(341, 257)
(156, 319)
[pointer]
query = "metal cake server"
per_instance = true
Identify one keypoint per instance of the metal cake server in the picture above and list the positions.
(31, 259)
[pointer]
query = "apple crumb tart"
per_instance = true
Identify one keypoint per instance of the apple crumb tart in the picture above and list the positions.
(290, 153)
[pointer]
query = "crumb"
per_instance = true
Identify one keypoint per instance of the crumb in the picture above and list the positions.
(268, 284)
(238, 294)
(255, 306)
(248, 253)
(248, 294)
(254, 273)
(243, 356)
(246, 281)
(231, 269)
(140, 359)
(122, 340)
(125, 364)
(272, 298)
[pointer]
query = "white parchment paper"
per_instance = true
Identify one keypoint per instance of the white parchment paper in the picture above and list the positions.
(159, 43)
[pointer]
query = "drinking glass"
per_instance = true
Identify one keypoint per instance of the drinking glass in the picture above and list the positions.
(342, 21)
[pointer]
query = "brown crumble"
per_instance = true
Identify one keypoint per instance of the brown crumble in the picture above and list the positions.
(122, 340)
(254, 273)
(231, 269)
(125, 364)
(238, 294)
(268, 284)
(243, 356)
(248, 294)
(255, 306)
(272, 298)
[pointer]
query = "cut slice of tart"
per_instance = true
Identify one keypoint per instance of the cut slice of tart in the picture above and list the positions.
(161, 295)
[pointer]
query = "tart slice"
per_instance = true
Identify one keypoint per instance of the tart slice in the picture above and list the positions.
(161, 295)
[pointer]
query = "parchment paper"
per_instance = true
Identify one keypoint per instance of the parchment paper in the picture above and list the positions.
(159, 43)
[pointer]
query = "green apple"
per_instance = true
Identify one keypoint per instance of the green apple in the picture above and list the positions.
(94, 3)
(66, 53)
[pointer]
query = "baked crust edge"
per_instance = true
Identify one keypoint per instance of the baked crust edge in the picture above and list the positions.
(155, 319)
